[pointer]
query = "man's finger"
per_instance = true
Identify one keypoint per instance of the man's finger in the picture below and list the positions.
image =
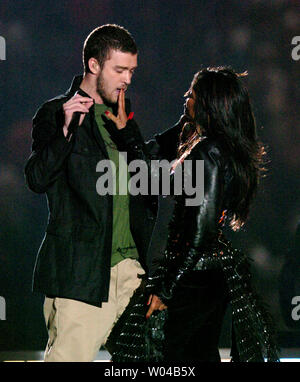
(150, 311)
(123, 99)
(81, 108)
(87, 104)
(149, 300)
(162, 307)
(121, 103)
(78, 98)
(110, 115)
(76, 105)
(81, 119)
(120, 121)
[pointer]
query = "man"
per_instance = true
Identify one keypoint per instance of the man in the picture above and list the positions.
(94, 252)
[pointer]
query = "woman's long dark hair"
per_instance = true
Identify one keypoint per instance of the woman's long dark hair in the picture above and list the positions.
(223, 112)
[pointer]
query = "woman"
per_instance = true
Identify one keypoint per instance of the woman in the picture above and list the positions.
(201, 273)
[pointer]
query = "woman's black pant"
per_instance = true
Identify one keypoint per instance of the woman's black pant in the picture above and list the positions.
(195, 316)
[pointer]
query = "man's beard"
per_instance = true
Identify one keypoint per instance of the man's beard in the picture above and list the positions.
(102, 92)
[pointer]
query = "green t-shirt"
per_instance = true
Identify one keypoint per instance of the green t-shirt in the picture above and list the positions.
(123, 245)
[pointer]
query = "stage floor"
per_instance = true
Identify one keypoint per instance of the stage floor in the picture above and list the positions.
(286, 355)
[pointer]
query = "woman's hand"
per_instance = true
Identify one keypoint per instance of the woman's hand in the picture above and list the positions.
(156, 304)
(121, 119)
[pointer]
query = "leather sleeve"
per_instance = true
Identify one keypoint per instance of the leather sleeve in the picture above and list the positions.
(49, 150)
(201, 221)
(164, 146)
(168, 141)
(130, 139)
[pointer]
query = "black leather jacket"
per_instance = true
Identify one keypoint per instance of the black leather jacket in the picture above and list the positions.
(193, 229)
(195, 236)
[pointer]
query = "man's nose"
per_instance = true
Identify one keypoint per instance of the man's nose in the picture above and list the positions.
(127, 77)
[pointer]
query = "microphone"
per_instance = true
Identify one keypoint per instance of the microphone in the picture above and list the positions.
(73, 124)
(74, 121)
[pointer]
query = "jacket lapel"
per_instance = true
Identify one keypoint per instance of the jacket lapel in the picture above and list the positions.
(96, 133)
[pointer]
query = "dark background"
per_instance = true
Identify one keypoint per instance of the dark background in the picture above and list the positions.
(175, 39)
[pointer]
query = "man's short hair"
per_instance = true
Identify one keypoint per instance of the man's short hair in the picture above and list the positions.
(104, 38)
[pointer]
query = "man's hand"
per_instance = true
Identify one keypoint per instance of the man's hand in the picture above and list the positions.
(121, 119)
(76, 104)
(156, 304)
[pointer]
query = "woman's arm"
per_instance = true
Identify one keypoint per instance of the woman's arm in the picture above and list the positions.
(200, 222)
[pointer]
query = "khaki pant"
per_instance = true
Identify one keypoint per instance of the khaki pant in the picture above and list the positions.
(76, 329)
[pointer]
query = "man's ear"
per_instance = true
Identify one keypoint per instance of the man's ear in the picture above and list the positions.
(94, 65)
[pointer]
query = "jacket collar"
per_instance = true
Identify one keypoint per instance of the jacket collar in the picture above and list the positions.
(75, 86)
